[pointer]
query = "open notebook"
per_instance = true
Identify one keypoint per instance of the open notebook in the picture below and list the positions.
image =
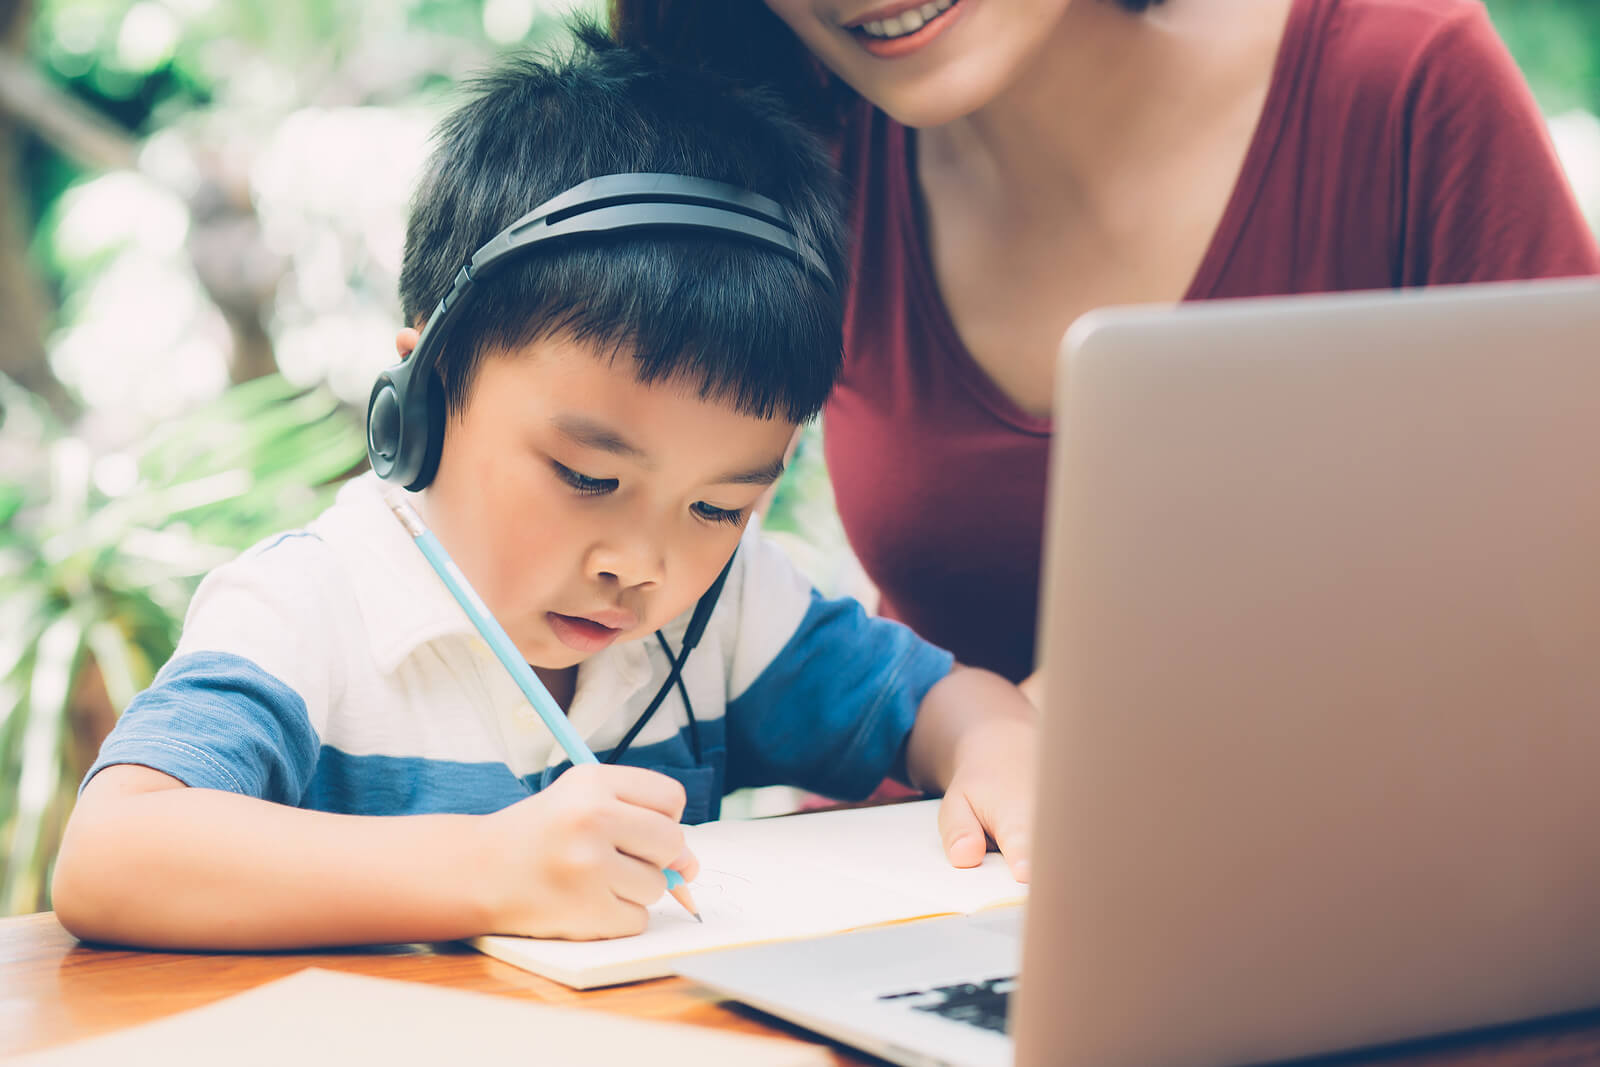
(779, 879)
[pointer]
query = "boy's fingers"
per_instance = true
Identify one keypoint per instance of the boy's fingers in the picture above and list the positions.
(688, 865)
(1016, 845)
(962, 834)
(636, 881)
(624, 918)
(647, 789)
(644, 834)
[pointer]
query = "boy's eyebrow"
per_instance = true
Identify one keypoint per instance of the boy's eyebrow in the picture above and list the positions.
(759, 476)
(592, 434)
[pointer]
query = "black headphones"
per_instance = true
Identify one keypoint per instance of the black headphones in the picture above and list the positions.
(405, 411)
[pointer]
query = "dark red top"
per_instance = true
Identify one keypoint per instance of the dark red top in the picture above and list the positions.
(1398, 146)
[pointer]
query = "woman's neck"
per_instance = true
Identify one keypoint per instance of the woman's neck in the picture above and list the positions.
(1109, 90)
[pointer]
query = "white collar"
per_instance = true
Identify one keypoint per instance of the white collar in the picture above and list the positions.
(405, 605)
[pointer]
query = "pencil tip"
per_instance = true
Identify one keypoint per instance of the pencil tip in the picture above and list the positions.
(697, 917)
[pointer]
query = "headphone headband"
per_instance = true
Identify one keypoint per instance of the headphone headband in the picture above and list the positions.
(658, 188)
(405, 422)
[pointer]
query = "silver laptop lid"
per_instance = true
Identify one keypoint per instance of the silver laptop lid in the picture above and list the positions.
(1322, 628)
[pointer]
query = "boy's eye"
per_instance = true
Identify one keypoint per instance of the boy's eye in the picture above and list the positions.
(716, 514)
(582, 482)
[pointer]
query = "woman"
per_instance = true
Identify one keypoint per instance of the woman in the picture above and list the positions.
(1018, 162)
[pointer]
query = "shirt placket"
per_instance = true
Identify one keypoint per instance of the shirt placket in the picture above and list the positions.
(607, 685)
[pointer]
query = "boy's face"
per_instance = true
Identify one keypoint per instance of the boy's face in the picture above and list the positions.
(588, 508)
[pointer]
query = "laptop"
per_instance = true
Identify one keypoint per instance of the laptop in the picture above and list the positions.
(1321, 748)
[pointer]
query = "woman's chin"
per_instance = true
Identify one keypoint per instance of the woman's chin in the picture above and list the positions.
(919, 115)
(934, 101)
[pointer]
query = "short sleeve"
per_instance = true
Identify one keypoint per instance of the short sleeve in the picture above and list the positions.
(821, 695)
(1486, 198)
(239, 705)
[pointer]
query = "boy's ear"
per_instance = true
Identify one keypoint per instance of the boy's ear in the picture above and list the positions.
(405, 342)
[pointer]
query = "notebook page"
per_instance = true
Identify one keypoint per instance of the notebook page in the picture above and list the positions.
(749, 890)
(896, 847)
(774, 879)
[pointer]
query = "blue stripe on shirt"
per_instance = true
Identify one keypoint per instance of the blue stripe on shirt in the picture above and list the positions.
(214, 720)
(412, 785)
(703, 784)
(832, 711)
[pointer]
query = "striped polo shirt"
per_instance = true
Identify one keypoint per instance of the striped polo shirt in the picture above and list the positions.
(328, 668)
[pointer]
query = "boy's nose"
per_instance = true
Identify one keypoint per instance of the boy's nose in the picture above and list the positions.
(629, 561)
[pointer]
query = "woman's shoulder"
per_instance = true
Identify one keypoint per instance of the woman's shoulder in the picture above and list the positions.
(1423, 99)
(1410, 14)
(1395, 76)
(1393, 43)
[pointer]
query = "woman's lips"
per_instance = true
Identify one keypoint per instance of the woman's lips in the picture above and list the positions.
(906, 43)
(581, 634)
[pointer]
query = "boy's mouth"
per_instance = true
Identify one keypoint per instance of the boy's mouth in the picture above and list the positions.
(583, 634)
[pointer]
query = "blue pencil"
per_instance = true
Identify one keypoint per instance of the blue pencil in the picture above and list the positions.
(493, 633)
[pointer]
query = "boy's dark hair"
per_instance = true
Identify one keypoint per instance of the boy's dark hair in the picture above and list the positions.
(741, 323)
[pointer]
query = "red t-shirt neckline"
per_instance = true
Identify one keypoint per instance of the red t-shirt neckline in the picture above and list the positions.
(906, 195)
(1398, 146)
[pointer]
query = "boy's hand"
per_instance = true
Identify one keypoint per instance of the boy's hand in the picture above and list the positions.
(583, 858)
(975, 741)
(990, 796)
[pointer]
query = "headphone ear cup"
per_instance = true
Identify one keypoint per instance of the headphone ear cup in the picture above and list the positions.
(427, 437)
(385, 426)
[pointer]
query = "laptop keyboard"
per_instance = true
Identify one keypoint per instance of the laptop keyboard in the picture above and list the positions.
(982, 1004)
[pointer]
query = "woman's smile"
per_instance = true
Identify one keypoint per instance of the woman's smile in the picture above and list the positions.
(898, 30)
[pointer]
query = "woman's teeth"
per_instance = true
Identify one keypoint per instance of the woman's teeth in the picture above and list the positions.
(907, 21)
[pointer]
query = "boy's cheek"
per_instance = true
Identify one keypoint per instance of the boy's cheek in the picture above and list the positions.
(701, 564)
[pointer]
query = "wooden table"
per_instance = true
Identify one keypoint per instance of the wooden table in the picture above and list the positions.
(53, 989)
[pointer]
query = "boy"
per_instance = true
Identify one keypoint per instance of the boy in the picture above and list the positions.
(333, 756)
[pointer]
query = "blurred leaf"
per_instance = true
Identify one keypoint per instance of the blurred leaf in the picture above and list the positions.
(1557, 45)
(48, 701)
(91, 577)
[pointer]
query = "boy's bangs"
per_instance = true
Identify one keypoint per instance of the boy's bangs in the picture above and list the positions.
(741, 325)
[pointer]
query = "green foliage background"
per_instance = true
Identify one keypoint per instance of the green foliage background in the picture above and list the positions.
(1557, 44)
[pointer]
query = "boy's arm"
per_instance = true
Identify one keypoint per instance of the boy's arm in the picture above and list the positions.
(149, 861)
(975, 741)
(825, 697)
(188, 832)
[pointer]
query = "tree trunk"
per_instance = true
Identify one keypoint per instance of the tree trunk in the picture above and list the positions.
(23, 305)
(235, 267)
